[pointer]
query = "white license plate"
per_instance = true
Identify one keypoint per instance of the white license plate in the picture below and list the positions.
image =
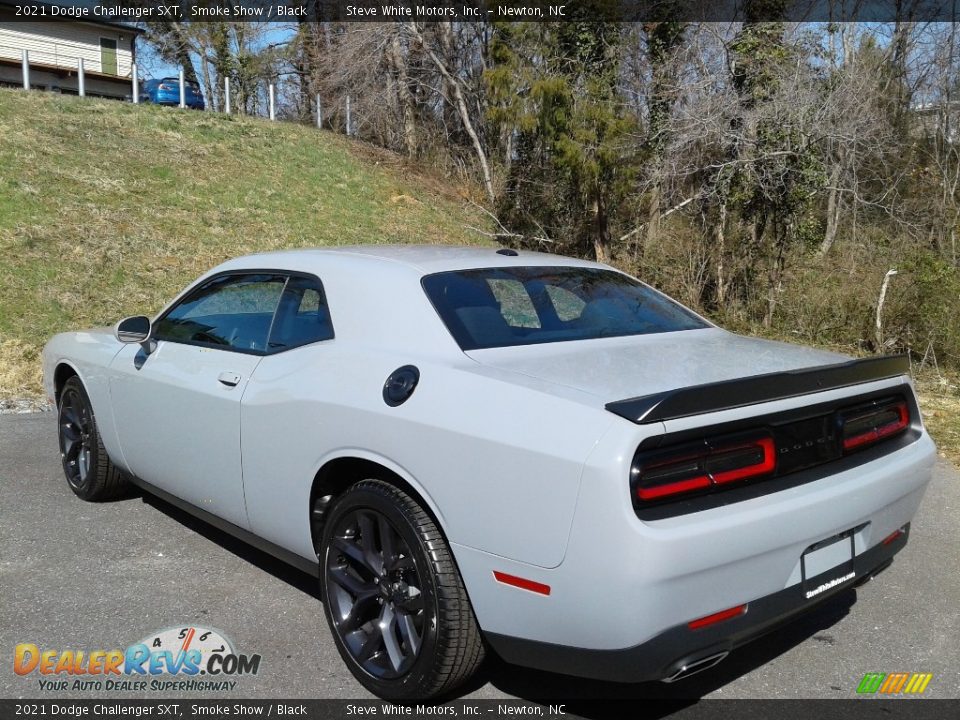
(827, 564)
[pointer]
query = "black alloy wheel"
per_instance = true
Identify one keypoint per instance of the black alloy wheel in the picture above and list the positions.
(375, 597)
(393, 597)
(89, 471)
(76, 448)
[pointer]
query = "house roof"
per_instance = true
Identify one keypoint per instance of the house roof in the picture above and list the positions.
(90, 19)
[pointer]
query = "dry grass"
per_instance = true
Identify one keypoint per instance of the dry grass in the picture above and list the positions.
(20, 374)
(940, 405)
(109, 209)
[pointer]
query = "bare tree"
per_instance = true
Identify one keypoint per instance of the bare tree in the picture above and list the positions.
(439, 50)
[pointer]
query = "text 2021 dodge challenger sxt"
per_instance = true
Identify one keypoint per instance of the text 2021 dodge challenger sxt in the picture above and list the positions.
(478, 449)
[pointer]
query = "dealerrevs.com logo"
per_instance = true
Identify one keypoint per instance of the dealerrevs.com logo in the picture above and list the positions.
(174, 659)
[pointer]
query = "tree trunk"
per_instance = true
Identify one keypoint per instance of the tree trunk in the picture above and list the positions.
(721, 231)
(653, 218)
(461, 105)
(601, 230)
(880, 301)
(899, 45)
(444, 32)
(599, 251)
(833, 213)
(775, 276)
(399, 63)
(209, 87)
(309, 30)
(182, 52)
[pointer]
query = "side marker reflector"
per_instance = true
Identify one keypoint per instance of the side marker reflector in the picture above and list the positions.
(893, 536)
(717, 617)
(521, 583)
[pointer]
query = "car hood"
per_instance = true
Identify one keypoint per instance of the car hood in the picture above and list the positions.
(620, 368)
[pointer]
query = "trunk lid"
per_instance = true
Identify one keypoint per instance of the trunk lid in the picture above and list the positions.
(618, 368)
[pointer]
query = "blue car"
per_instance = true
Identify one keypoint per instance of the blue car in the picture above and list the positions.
(166, 91)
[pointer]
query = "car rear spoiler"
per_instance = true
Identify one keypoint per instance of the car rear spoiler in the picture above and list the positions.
(729, 394)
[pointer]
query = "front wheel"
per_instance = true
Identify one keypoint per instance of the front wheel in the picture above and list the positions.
(393, 596)
(90, 473)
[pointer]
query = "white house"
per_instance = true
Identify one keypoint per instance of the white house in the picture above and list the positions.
(55, 47)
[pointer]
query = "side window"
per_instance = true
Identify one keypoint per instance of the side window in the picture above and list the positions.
(302, 317)
(233, 312)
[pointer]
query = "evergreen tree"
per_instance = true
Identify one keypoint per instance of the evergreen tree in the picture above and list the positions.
(553, 92)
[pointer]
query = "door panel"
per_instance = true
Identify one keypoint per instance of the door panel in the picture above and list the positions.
(179, 422)
(178, 408)
(108, 56)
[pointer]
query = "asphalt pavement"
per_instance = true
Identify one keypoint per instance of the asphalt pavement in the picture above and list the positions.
(102, 576)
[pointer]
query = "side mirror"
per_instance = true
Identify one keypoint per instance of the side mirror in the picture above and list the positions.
(133, 329)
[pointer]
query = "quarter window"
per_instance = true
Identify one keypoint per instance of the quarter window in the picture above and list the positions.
(302, 316)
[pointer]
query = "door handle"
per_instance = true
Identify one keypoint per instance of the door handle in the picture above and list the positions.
(230, 379)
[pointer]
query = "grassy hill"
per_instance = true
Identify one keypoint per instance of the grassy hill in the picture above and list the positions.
(108, 209)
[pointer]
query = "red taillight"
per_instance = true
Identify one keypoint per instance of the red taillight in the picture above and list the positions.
(869, 426)
(717, 617)
(673, 488)
(689, 471)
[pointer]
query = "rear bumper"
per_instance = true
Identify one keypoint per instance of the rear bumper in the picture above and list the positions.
(666, 655)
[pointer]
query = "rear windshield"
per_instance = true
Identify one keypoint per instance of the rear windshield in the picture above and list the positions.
(502, 307)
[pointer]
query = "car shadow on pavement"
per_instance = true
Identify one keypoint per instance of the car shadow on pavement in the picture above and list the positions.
(592, 699)
(262, 560)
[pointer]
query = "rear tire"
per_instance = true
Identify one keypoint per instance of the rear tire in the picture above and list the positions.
(393, 597)
(88, 469)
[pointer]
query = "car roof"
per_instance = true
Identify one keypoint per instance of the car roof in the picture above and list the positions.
(376, 289)
(417, 259)
(170, 78)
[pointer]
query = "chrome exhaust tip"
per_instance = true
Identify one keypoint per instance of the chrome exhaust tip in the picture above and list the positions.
(692, 668)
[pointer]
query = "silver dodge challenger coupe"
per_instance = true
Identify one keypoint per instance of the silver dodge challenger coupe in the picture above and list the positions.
(483, 450)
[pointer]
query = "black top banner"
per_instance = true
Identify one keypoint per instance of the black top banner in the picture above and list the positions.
(131, 11)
